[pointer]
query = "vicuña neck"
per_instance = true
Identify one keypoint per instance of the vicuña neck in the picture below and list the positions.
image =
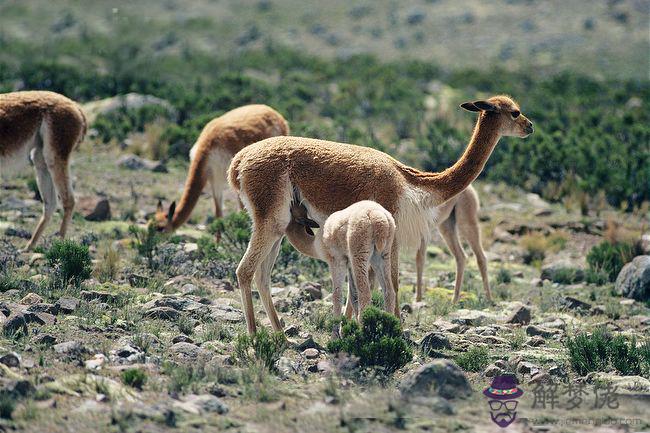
(452, 181)
(196, 180)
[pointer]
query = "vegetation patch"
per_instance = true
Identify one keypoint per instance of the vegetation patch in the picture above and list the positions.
(475, 359)
(377, 341)
(262, 347)
(71, 261)
(609, 257)
(134, 377)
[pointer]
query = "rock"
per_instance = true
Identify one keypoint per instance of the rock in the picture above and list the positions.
(11, 359)
(42, 318)
(127, 354)
(129, 101)
(287, 366)
(163, 313)
(92, 295)
(520, 316)
(492, 370)
(561, 270)
(101, 212)
(67, 305)
(535, 341)
(633, 386)
(44, 308)
(35, 258)
(16, 387)
(70, 348)
(524, 367)
(574, 304)
(433, 342)
(31, 299)
(190, 247)
(311, 291)
(182, 339)
(16, 322)
(324, 366)
(187, 351)
(308, 343)
(634, 279)
(200, 404)
(536, 282)
(310, 353)
(96, 362)
(469, 317)
(533, 330)
(440, 377)
(291, 331)
(415, 17)
(558, 371)
(543, 212)
(134, 162)
(44, 339)
(541, 377)
(226, 313)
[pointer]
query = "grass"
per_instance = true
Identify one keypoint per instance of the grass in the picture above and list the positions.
(474, 360)
(134, 377)
(71, 261)
(263, 346)
(601, 351)
(377, 341)
(108, 264)
(537, 245)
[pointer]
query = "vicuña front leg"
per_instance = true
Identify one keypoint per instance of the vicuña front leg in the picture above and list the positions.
(419, 268)
(263, 283)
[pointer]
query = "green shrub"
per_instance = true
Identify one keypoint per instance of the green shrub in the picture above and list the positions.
(601, 350)
(134, 377)
(118, 124)
(377, 299)
(146, 242)
(567, 275)
(263, 347)
(71, 261)
(377, 341)
(610, 257)
(7, 405)
(504, 276)
(475, 359)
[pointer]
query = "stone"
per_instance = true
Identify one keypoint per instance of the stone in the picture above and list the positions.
(44, 308)
(440, 377)
(520, 316)
(492, 370)
(16, 322)
(634, 279)
(187, 351)
(70, 348)
(31, 299)
(101, 212)
(536, 282)
(535, 341)
(524, 367)
(35, 258)
(286, 366)
(67, 305)
(541, 377)
(558, 270)
(469, 317)
(291, 331)
(308, 343)
(164, 313)
(533, 330)
(310, 353)
(16, 387)
(42, 318)
(45, 339)
(134, 162)
(574, 303)
(200, 404)
(311, 291)
(433, 342)
(96, 362)
(11, 359)
(182, 339)
(92, 295)
(226, 313)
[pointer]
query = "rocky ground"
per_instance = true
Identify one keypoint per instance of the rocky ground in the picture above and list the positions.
(64, 350)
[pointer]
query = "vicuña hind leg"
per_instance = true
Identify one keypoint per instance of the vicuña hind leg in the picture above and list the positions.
(394, 271)
(352, 303)
(48, 194)
(381, 265)
(448, 231)
(260, 246)
(419, 268)
(263, 283)
(59, 169)
(472, 232)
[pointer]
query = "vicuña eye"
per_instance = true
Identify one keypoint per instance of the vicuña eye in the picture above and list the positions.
(515, 114)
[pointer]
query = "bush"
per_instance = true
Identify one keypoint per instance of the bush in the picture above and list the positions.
(7, 405)
(475, 359)
(602, 350)
(134, 377)
(377, 342)
(609, 258)
(263, 347)
(71, 261)
(504, 276)
(146, 242)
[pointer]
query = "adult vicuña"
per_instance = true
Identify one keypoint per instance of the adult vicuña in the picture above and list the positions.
(47, 127)
(460, 214)
(219, 141)
(331, 176)
(352, 240)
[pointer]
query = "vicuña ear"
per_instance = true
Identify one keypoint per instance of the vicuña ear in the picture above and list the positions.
(485, 106)
(469, 106)
(159, 208)
(172, 209)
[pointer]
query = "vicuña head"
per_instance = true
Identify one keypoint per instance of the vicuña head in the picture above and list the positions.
(507, 115)
(163, 219)
(332, 176)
